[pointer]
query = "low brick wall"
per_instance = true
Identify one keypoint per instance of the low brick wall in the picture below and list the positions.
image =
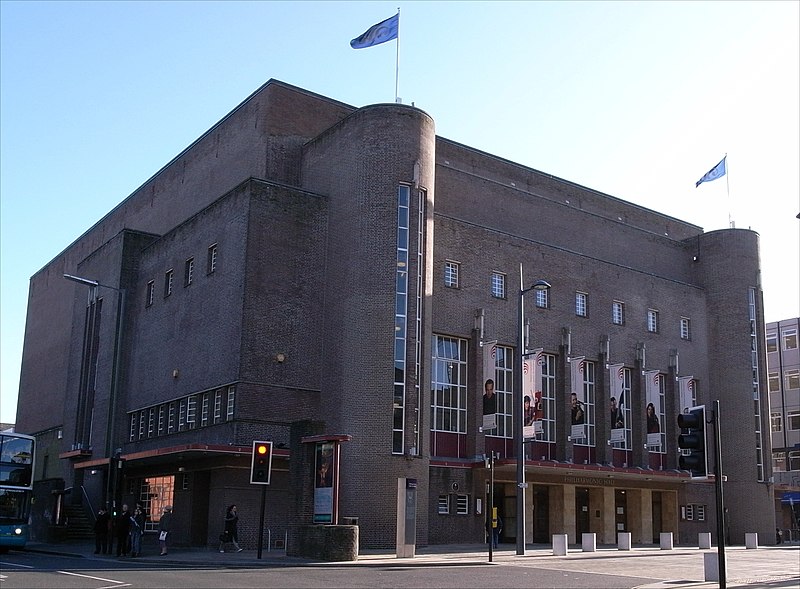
(321, 542)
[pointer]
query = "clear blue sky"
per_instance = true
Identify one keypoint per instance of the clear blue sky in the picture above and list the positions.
(634, 99)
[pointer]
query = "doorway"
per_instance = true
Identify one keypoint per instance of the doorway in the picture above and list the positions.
(582, 518)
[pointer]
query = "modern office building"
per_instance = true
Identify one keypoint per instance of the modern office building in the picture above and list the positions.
(783, 362)
(342, 281)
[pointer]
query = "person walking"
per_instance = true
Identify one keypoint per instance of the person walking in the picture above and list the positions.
(164, 528)
(102, 529)
(231, 533)
(137, 529)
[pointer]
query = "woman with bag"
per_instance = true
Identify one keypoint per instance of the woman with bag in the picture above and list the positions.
(164, 527)
(231, 533)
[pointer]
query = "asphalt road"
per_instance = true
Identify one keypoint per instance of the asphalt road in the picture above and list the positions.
(445, 567)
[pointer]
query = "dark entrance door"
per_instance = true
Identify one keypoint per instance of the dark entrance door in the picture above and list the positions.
(541, 515)
(656, 517)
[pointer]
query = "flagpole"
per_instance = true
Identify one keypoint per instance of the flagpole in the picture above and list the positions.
(397, 61)
(728, 185)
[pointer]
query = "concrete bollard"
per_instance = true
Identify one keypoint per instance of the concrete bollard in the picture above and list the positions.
(589, 542)
(751, 540)
(560, 542)
(666, 540)
(711, 566)
(704, 540)
(624, 540)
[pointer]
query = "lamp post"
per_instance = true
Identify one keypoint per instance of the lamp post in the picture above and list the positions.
(115, 370)
(518, 416)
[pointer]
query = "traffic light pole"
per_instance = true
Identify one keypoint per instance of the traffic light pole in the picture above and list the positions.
(720, 502)
(261, 520)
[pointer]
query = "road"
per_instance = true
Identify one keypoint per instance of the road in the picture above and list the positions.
(609, 569)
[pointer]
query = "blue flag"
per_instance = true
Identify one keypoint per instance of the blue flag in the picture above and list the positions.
(377, 34)
(717, 171)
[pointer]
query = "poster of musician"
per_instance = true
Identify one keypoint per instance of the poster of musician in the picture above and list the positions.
(532, 407)
(577, 399)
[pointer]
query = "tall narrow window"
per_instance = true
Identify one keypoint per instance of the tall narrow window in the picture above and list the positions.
(580, 304)
(548, 398)
(161, 420)
(589, 404)
(617, 313)
(150, 288)
(218, 406)
(503, 389)
(231, 404)
(686, 332)
(204, 410)
(211, 263)
(188, 272)
(498, 285)
(191, 412)
(168, 277)
(151, 422)
(400, 320)
(451, 274)
(772, 342)
(652, 321)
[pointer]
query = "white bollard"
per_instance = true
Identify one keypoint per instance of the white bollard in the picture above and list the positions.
(560, 542)
(751, 540)
(666, 540)
(704, 540)
(624, 540)
(711, 566)
(589, 542)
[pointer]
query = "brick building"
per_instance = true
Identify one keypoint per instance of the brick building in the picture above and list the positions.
(309, 269)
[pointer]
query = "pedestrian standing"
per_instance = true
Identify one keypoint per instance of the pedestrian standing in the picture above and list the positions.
(137, 529)
(164, 528)
(231, 533)
(102, 529)
(122, 524)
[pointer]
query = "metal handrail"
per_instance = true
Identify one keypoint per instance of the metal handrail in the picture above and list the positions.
(89, 502)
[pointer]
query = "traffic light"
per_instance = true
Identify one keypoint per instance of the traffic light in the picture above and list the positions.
(693, 439)
(261, 466)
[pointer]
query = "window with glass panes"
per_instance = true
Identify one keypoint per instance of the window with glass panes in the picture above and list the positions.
(400, 319)
(617, 313)
(451, 274)
(229, 411)
(685, 328)
(792, 379)
(580, 304)
(548, 398)
(498, 285)
(776, 423)
(542, 298)
(652, 320)
(774, 382)
(789, 339)
(589, 405)
(503, 389)
(772, 342)
(449, 384)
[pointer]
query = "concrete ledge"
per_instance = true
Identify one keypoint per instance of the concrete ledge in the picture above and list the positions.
(323, 542)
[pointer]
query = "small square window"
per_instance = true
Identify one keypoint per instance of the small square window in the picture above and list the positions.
(444, 504)
(792, 378)
(617, 313)
(498, 285)
(772, 342)
(188, 272)
(580, 304)
(212, 259)
(652, 321)
(686, 332)
(789, 339)
(451, 274)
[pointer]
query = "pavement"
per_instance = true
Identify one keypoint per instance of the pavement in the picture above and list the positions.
(767, 566)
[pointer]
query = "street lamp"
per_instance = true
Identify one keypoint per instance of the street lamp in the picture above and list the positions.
(115, 370)
(518, 416)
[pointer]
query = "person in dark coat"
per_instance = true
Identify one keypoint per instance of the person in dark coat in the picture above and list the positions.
(231, 533)
(102, 529)
(122, 530)
(164, 528)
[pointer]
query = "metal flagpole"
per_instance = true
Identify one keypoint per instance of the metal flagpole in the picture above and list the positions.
(397, 61)
(728, 185)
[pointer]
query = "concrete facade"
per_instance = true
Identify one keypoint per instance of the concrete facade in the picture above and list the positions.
(313, 309)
